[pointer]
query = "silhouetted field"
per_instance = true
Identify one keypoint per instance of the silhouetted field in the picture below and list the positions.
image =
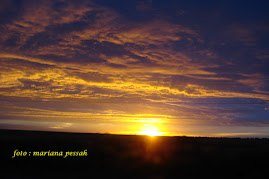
(124, 156)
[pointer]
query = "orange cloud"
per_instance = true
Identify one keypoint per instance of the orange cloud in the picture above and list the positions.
(104, 67)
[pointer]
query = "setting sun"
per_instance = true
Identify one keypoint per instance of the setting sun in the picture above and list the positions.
(150, 130)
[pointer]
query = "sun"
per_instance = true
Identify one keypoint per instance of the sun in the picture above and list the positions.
(151, 133)
(149, 130)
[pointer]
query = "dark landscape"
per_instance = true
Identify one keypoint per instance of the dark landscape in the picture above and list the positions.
(127, 156)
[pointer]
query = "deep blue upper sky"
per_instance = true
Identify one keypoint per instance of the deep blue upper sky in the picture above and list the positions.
(192, 67)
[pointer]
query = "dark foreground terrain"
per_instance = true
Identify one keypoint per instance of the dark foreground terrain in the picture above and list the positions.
(119, 156)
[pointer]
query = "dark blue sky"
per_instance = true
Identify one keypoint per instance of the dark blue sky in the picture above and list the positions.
(180, 67)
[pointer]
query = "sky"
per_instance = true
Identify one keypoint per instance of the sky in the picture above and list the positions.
(189, 67)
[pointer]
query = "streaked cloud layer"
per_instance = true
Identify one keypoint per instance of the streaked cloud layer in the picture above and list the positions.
(189, 68)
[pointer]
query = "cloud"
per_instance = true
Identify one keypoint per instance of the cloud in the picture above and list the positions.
(106, 67)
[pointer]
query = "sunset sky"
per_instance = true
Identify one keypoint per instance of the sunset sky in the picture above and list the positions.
(186, 67)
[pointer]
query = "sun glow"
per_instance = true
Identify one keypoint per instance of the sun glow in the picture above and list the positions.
(150, 130)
